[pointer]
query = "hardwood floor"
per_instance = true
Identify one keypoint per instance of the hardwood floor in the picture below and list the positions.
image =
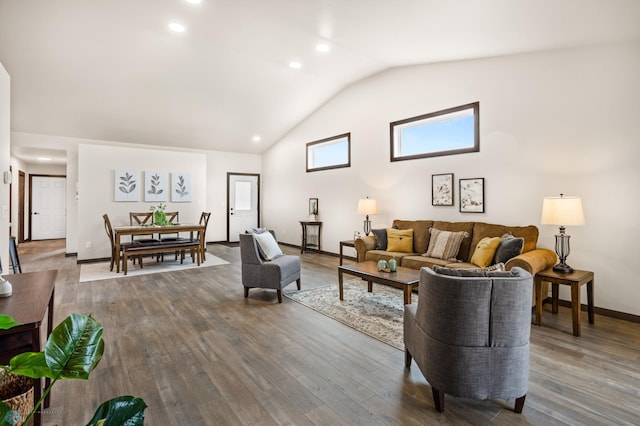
(200, 354)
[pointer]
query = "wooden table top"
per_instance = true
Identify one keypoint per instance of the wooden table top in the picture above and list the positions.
(370, 269)
(30, 299)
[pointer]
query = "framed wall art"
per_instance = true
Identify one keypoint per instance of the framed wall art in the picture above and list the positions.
(181, 187)
(126, 185)
(313, 209)
(442, 189)
(472, 195)
(156, 186)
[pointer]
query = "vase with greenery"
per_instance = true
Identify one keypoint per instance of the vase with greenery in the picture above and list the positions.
(72, 351)
(159, 216)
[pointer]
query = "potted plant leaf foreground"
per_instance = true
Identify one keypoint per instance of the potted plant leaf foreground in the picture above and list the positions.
(72, 351)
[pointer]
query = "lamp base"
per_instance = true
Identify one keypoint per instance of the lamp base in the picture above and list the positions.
(563, 268)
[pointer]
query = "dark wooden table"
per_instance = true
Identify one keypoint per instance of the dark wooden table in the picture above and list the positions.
(305, 235)
(346, 243)
(32, 298)
(404, 278)
(576, 279)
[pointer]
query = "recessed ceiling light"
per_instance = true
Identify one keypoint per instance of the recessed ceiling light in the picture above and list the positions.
(176, 27)
(256, 138)
(43, 159)
(295, 65)
(322, 47)
(194, 1)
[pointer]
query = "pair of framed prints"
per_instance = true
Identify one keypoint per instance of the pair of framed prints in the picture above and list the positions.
(471, 192)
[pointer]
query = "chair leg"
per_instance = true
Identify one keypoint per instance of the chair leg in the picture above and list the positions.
(438, 399)
(298, 283)
(407, 358)
(246, 292)
(519, 404)
(279, 291)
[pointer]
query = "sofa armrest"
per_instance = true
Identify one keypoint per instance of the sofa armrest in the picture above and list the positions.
(363, 245)
(533, 261)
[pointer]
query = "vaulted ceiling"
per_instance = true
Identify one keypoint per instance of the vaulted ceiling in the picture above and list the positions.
(113, 70)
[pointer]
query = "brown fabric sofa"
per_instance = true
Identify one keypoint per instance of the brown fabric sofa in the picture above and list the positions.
(532, 259)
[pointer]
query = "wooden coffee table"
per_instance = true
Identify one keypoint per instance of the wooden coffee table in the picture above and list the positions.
(404, 278)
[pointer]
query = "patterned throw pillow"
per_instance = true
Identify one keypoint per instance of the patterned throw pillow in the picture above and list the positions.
(400, 240)
(445, 244)
(484, 252)
(509, 247)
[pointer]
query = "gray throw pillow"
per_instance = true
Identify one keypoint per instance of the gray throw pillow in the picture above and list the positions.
(509, 248)
(381, 238)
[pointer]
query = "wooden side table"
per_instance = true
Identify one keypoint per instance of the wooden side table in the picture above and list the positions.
(305, 235)
(346, 243)
(575, 279)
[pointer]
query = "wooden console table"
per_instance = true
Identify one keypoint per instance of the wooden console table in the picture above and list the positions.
(32, 298)
(305, 235)
(346, 243)
(576, 280)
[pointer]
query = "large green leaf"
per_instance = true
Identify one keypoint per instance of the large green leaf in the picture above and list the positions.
(75, 347)
(121, 411)
(31, 364)
(6, 322)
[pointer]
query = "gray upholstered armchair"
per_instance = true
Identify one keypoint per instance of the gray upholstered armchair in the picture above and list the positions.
(469, 335)
(260, 273)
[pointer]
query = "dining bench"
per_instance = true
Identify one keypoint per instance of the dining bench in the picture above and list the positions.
(160, 247)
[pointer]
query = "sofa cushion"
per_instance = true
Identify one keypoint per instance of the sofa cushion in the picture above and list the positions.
(381, 238)
(376, 255)
(420, 232)
(508, 248)
(400, 240)
(464, 253)
(529, 233)
(417, 262)
(267, 245)
(485, 251)
(445, 244)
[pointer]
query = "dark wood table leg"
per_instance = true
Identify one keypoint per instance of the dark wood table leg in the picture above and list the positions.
(576, 307)
(340, 284)
(538, 290)
(407, 294)
(369, 286)
(37, 383)
(590, 301)
(47, 381)
(554, 297)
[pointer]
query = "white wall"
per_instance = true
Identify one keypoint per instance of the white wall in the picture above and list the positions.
(5, 134)
(96, 170)
(564, 121)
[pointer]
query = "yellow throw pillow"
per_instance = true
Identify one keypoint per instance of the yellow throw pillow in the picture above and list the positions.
(485, 250)
(400, 240)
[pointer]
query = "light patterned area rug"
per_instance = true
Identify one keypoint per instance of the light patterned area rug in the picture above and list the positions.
(378, 314)
(100, 271)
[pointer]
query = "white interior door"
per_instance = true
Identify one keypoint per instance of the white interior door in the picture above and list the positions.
(243, 209)
(48, 207)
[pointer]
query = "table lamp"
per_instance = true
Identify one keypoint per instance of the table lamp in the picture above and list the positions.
(562, 211)
(367, 206)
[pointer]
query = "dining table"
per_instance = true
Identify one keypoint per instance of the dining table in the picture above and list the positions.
(133, 230)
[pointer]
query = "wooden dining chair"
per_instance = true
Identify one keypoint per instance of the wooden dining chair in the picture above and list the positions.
(123, 245)
(174, 218)
(13, 253)
(141, 219)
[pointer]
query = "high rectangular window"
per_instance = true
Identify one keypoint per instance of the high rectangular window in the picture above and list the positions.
(447, 132)
(329, 153)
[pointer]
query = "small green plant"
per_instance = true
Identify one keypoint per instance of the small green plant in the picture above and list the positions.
(72, 351)
(159, 216)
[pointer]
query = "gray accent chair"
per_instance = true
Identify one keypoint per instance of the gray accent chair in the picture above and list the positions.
(469, 335)
(260, 273)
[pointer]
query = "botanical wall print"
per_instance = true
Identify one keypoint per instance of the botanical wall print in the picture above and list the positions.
(181, 187)
(442, 189)
(156, 186)
(472, 195)
(126, 185)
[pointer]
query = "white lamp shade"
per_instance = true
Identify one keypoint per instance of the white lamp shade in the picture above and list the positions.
(367, 206)
(562, 211)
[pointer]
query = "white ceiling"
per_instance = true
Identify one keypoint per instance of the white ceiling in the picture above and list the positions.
(112, 70)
